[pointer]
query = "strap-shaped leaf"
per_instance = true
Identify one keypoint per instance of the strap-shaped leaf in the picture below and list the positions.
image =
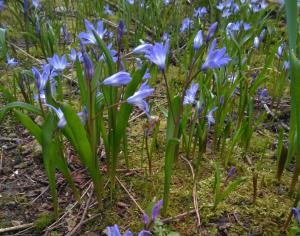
(84, 150)
(25, 106)
(28, 123)
(49, 152)
(108, 58)
(168, 169)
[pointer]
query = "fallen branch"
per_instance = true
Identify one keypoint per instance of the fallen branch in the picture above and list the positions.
(78, 226)
(178, 217)
(15, 228)
(129, 194)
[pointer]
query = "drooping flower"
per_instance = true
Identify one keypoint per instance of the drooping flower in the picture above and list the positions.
(191, 94)
(210, 117)
(286, 65)
(157, 54)
(138, 98)
(211, 31)
(145, 233)
(256, 42)
(262, 35)
(215, 58)
(280, 50)
(88, 37)
(131, 2)
(186, 24)
(11, 62)
(61, 117)
(59, 64)
(198, 40)
(118, 79)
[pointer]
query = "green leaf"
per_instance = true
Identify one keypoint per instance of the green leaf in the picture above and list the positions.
(231, 188)
(168, 169)
(83, 147)
(3, 45)
(81, 82)
(28, 123)
(108, 58)
(49, 151)
(23, 105)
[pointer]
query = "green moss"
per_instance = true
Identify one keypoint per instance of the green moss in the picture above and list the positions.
(42, 221)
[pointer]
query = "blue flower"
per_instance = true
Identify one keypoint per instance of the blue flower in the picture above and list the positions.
(107, 10)
(142, 48)
(186, 24)
(280, 50)
(246, 26)
(256, 42)
(296, 214)
(166, 2)
(59, 64)
(286, 65)
(88, 36)
(156, 209)
(121, 30)
(231, 172)
(118, 79)
(11, 62)
(155, 212)
(157, 54)
(262, 93)
(137, 99)
(262, 34)
(191, 93)
(73, 55)
(210, 117)
(41, 79)
(147, 75)
(211, 31)
(36, 4)
(198, 40)
(199, 12)
(88, 66)
(145, 233)
(61, 117)
(2, 5)
(113, 54)
(131, 2)
(215, 58)
(26, 6)
(114, 231)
